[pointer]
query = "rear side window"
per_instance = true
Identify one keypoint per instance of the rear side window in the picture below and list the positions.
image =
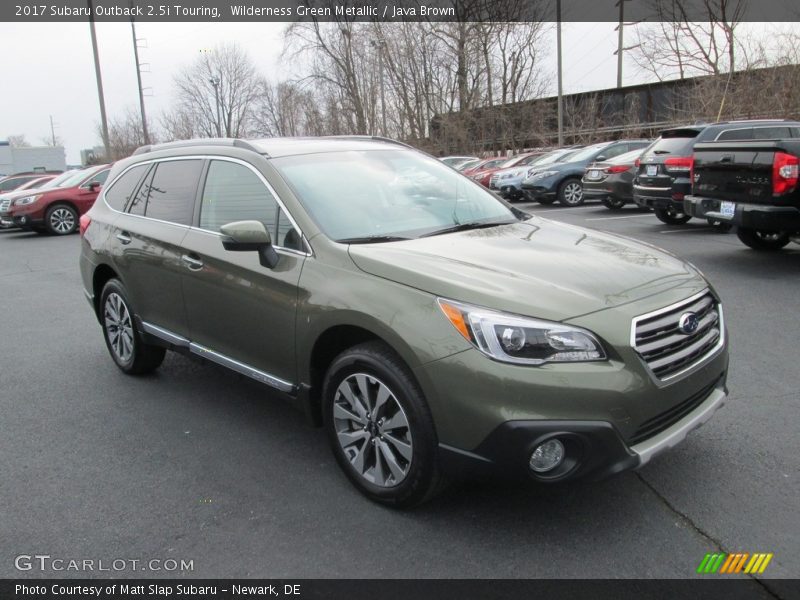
(736, 134)
(771, 133)
(171, 192)
(118, 195)
(139, 202)
(234, 192)
(672, 145)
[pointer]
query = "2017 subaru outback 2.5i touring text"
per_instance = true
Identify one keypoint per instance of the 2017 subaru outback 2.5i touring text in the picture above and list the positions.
(430, 327)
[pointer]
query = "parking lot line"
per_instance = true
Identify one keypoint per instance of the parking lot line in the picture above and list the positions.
(686, 230)
(559, 210)
(612, 218)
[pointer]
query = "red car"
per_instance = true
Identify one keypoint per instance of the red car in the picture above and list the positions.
(57, 210)
(485, 174)
(487, 163)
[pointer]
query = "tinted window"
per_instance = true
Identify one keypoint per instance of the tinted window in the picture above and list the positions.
(287, 234)
(615, 150)
(120, 192)
(771, 133)
(139, 202)
(172, 191)
(675, 145)
(15, 182)
(736, 134)
(234, 192)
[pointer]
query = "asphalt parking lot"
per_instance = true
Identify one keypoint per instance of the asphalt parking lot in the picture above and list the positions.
(197, 463)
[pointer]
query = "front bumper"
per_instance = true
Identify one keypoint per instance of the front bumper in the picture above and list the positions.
(542, 188)
(594, 450)
(764, 217)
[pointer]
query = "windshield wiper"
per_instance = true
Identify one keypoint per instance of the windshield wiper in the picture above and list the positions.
(370, 239)
(466, 227)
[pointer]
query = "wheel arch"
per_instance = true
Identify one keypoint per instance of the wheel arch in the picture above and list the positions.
(101, 275)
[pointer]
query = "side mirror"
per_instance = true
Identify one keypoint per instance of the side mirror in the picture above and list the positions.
(94, 186)
(601, 157)
(250, 236)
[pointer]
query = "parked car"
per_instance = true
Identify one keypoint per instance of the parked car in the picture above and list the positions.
(562, 181)
(13, 182)
(663, 177)
(8, 197)
(468, 164)
(56, 211)
(456, 161)
(508, 181)
(438, 334)
(753, 185)
(611, 181)
(484, 165)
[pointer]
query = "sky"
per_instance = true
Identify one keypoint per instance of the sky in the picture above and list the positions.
(48, 69)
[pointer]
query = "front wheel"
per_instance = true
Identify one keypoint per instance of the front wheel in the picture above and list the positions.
(765, 241)
(380, 427)
(126, 346)
(570, 192)
(61, 219)
(670, 216)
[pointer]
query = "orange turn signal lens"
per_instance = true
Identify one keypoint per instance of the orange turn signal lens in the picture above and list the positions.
(456, 317)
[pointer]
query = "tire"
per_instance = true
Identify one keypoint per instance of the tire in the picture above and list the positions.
(128, 351)
(570, 192)
(546, 200)
(613, 203)
(388, 450)
(764, 241)
(670, 216)
(720, 226)
(61, 219)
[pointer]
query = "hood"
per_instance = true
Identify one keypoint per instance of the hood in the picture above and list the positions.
(537, 268)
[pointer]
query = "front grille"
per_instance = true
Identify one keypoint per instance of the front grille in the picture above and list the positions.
(5, 205)
(669, 417)
(665, 348)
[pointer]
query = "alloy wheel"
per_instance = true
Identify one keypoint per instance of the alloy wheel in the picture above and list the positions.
(62, 220)
(119, 327)
(573, 193)
(372, 430)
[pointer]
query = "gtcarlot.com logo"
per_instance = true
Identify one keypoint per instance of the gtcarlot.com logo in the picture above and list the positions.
(45, 562)
(739, 562)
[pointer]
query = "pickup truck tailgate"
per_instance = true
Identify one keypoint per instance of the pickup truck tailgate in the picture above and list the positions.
(738, 171)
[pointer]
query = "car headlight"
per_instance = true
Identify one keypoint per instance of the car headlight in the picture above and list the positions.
(543, 174)
(26, 200)
(521, 340)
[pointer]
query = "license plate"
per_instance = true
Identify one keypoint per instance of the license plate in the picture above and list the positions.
(727, 209)
(594, 174)
(652, 170)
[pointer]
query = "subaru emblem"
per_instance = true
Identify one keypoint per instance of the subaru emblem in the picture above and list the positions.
(688, 323)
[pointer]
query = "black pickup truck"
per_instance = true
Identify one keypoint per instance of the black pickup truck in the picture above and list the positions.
(752, 185)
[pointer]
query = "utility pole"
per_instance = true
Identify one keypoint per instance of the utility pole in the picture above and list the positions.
(215, 81)
(99, 77)
(560, 79)
(52, 131)
(139, 79)
(381, 44)
(620, 41)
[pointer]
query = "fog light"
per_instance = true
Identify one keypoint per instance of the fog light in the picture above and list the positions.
(547, 456)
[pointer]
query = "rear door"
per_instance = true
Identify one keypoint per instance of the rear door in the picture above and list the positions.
(147, 241)
(241, 313)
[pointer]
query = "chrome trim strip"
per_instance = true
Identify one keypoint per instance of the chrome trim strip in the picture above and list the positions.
(220, 359)
(110, 184)
(242, 368)
(706, 357)
(166, 335)
(672, 436)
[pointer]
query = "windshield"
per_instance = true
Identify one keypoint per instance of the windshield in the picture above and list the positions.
(57, 181)
(387, 193)
(75, 177)
(553, 157)
(585, 153)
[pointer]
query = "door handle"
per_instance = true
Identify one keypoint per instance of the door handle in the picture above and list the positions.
(194, 264)
(123, 237)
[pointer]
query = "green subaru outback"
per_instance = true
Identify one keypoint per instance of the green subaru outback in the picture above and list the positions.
(433, 330)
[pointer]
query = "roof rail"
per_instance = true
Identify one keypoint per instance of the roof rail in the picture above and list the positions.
(376, 138)
(230, 142)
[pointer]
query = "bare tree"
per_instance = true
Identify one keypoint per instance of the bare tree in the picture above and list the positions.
(18, 141)
(679, 45)
(125, 134)
(238, 87)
